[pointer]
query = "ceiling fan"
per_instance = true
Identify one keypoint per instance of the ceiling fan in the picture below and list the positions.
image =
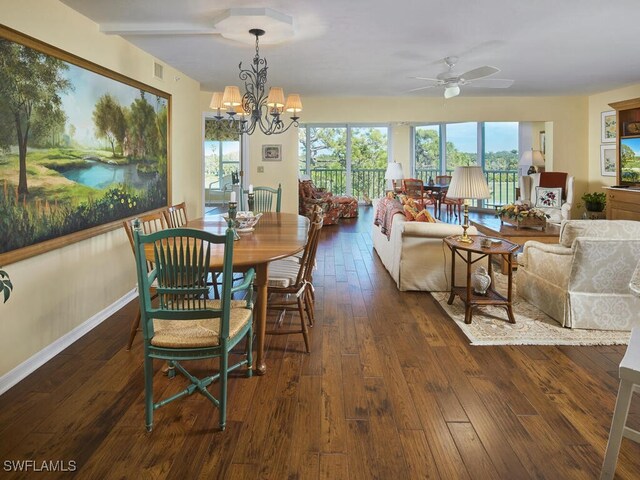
(452, 81)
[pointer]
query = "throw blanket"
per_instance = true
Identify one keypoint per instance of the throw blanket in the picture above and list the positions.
(386, 209)
(555, 180)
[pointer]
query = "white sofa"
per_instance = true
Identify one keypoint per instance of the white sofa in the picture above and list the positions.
(415, 255)
(583, 282)
(528, 184)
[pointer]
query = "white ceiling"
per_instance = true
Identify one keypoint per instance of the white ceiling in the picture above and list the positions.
(372, 47)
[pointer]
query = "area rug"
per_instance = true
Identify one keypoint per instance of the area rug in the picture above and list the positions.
(490, 326)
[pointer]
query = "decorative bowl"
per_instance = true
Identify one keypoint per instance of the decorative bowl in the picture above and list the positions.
(245, 221)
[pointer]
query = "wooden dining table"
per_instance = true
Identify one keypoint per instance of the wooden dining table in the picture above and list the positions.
(276, 236)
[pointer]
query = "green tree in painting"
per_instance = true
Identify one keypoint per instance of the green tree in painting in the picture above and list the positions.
(30, 87)
(110, 122)
(142, 128)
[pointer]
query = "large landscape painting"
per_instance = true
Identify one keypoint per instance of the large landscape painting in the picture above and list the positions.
(81, 148)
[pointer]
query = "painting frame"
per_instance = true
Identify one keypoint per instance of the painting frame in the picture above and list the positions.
(272, 152)
(608, 160)
(157, 166)
(608, 127)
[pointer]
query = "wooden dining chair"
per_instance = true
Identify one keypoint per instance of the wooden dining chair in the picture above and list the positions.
(414, 189)
(287, 278)
(184, 325)
(454, 205)
(149, 223)
(265, 199)
(176, 215)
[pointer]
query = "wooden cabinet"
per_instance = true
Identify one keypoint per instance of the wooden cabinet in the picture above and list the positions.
(623, 204)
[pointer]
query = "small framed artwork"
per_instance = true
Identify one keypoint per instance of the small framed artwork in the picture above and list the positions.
(271, 153)
(608, 127)
(608, 160)
(543, 142)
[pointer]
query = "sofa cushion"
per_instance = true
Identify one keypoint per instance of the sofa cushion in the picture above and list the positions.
(615, 229)
(548, 197)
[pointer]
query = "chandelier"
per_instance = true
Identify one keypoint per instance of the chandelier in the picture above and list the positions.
(253, 108)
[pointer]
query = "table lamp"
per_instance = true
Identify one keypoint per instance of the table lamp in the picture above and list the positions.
(394, 172)
(535, 158)
(468, 183)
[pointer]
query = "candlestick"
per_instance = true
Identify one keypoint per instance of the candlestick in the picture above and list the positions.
(250, 199)
(232, 197)
(250, 188)
(233, 211)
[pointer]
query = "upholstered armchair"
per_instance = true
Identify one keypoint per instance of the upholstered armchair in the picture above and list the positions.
(334, 207)
(558, 213)
(583, 281)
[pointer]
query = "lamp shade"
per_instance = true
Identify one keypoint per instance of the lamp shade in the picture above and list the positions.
(216, 101)
(394, 171)
(276, 97)
(468, 182)
(231, 97)
(293, 103)
(532, 157)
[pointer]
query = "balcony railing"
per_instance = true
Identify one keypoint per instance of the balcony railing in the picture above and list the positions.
(370, 182)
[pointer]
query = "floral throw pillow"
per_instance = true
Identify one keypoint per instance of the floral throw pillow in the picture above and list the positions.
(547, 197)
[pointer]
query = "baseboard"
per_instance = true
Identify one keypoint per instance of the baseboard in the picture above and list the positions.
(43, 356)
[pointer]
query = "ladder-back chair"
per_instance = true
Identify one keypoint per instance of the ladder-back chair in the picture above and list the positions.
(176, 215)
(414, 189)
(294, 278)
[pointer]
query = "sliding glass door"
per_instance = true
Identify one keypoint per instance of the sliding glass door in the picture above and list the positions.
(345, 159)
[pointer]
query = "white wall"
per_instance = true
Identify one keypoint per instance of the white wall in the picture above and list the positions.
(57, 291)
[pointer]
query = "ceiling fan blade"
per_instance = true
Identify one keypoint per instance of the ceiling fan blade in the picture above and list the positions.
(426, 78)
(479, 72)
(422, 88)
(491, 83)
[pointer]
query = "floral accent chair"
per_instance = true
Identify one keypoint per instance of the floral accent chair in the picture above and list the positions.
(554, 201)
(333, 206)
(583, 281)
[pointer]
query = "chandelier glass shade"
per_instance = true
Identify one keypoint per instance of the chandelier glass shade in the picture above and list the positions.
(254, 108)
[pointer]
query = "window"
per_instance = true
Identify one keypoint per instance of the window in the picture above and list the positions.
(345, 159)
(438, 149)
(221, 160)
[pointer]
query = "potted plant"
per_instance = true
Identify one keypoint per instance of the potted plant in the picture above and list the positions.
(594, 202)
(5, 285)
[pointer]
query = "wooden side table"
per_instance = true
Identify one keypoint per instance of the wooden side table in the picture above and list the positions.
(466, 252)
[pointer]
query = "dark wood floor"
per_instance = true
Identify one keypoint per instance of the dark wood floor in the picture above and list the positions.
(391, 390)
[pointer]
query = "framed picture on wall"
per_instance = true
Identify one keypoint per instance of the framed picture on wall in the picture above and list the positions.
(271, 153)
(608, 127)
(608, 160)
(83, 148)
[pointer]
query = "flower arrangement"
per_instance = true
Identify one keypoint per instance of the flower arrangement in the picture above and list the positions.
(521, 212)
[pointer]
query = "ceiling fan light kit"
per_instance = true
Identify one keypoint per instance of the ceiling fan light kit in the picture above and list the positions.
(452, 91)
(254, 109)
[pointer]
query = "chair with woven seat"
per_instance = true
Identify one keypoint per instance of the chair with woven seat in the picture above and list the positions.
(294, 278)
(454, 205)
(265, 199)
(183, 325)
(149, 223)
(176, 215)
(414, 189)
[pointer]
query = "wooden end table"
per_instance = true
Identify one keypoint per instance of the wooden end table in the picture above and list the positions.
(471, 253)
(491, 227)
